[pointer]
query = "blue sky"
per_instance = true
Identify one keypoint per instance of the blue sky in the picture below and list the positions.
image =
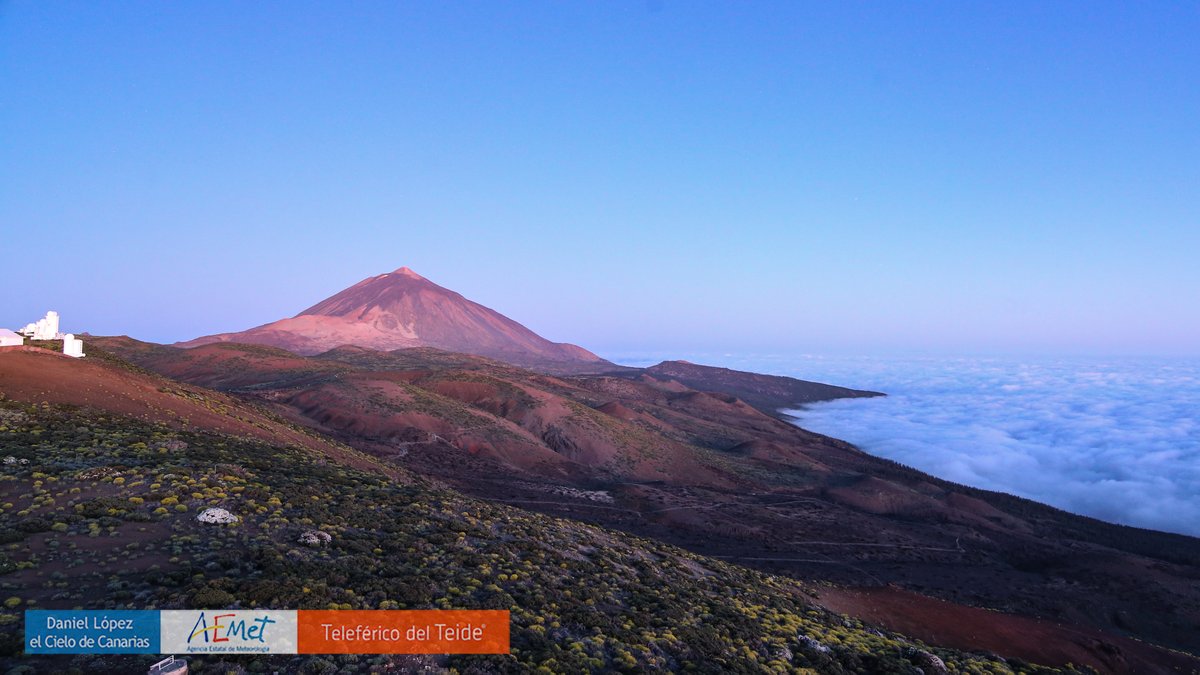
(784, 177)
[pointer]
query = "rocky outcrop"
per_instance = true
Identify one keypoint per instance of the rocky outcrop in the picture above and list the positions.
(217, 516)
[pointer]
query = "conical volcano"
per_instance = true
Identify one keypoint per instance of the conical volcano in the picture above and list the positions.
(403, 309)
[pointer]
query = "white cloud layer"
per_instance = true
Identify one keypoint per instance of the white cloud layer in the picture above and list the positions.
(1114, 439)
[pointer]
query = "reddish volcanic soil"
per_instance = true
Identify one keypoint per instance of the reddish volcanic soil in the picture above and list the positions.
(951, 625)
(36, 375)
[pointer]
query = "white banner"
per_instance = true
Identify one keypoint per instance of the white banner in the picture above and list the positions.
(228, 631)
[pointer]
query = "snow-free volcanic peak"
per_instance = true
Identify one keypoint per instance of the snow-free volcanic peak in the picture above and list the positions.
(403, 309)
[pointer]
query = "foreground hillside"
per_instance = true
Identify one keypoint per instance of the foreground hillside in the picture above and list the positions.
(98, 510)
(648, 454)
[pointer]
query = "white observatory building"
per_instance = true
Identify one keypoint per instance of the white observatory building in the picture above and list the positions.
(45, 328)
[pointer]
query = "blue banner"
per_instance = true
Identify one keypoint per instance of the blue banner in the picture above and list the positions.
(91, 631)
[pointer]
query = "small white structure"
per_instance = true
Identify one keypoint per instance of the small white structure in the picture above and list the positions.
(10, 339)
(72, 346)
(169, 666)
(45, 328)
(218, 516)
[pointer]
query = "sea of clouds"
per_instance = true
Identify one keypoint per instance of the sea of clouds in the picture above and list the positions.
(1115, 439)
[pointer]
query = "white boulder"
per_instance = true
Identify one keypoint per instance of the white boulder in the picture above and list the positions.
(217, 516)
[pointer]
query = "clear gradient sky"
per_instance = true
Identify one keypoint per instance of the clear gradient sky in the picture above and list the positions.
(785, 177)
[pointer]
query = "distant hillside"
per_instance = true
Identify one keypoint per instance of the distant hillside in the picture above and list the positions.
(768, 393)
(95, 382)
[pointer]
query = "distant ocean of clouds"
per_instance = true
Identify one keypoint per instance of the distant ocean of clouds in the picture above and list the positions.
(1116, 439)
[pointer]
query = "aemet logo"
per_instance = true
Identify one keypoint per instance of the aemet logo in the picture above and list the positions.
(233, 631)
(234, 627)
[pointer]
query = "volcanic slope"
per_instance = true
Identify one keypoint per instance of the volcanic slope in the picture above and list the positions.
(768, 393)
(37, 375)
(99, 510)
(705, 470)
(402, 309)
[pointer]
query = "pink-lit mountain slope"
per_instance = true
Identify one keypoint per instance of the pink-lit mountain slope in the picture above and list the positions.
(400, 310)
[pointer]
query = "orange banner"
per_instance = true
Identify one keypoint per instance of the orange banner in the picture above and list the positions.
(418, 631)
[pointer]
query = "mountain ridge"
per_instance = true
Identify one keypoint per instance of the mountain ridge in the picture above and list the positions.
(402, 309)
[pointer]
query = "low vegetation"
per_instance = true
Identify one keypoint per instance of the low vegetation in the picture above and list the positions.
(99, 511)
